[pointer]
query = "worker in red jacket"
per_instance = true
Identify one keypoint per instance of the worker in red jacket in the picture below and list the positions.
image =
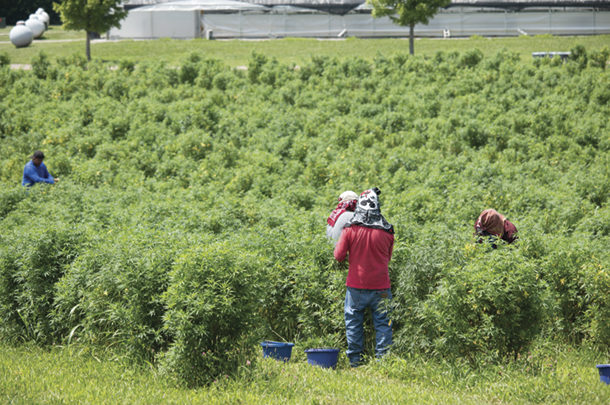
(369, 240)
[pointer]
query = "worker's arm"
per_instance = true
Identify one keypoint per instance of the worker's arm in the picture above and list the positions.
(46, 174)
(336, 230)
(342, 247)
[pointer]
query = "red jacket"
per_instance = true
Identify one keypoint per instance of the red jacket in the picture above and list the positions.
(510, 232)
(370, 251)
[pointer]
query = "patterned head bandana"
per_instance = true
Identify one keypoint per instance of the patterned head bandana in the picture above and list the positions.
(368, 211)
(347, 202)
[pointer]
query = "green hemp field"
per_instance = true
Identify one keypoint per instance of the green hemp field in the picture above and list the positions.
(188, 224)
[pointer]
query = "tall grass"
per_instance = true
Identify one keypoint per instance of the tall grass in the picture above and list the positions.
(548, 374)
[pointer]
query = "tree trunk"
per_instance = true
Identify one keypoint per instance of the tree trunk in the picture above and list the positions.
(411, 38)
(88, 46)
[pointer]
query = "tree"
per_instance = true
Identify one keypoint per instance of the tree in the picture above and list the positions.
(93, 16)
(408, 12)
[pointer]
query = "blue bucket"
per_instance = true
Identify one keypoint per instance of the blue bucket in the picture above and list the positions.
(326, 358)
(277, 350)
(604, 373)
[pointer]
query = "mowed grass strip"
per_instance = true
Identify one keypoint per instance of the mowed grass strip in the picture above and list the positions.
(53, 33)
(287, 50)
(30, 374)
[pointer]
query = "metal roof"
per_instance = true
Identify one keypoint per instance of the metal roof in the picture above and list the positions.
(475, 3)
(343, 6)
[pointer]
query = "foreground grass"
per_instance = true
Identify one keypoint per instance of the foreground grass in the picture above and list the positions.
(78, 375)
(289, 50)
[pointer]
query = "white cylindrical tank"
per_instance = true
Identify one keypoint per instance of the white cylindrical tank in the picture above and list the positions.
(44, 17)
(36, 25)
(21, 35)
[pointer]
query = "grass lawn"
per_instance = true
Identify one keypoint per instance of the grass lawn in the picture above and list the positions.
(288, 50)
(75, 374)
(55, 32)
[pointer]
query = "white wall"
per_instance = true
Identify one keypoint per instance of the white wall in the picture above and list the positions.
(459, 22)
(159, 24)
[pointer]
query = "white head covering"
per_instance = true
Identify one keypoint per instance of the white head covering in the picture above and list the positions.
(348, 196)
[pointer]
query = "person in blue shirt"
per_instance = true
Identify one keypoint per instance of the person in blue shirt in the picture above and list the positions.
(36, 172)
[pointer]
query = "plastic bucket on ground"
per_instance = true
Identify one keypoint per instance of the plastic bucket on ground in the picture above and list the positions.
(277, 350)
(326, 358)
(604, 372)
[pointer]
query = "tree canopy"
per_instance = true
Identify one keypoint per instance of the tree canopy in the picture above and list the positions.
(90, 15)
(408, 12)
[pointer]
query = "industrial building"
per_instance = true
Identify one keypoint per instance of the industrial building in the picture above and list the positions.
(188, 19)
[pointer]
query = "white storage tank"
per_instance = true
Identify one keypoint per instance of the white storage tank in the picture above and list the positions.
(21, 35)
(44, 17)
(36, 25)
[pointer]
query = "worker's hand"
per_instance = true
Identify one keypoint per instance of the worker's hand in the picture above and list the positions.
(55, 179)
(341, 265)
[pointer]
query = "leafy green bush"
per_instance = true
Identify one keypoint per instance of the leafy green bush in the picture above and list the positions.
(304, 297)
(491, 307)
(11, 325)
(211, 311)
(562, 270)
(10, 197)
(5, 60)
(597, 285)
(40, 65)
(599, 58)
(111, 294)
(471, 58)
(75, 60)
(37, 259)
(579, 55)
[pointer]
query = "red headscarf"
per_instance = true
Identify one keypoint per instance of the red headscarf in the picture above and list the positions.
(341, 208)
(491, 221)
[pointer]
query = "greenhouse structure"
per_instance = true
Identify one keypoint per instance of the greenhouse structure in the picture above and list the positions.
(210, 19)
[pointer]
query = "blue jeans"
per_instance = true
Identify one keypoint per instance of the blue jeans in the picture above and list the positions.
(356, 302)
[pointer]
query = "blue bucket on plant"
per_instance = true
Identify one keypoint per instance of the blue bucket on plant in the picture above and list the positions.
(326, 358)
(277, 350)
(604, 373)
